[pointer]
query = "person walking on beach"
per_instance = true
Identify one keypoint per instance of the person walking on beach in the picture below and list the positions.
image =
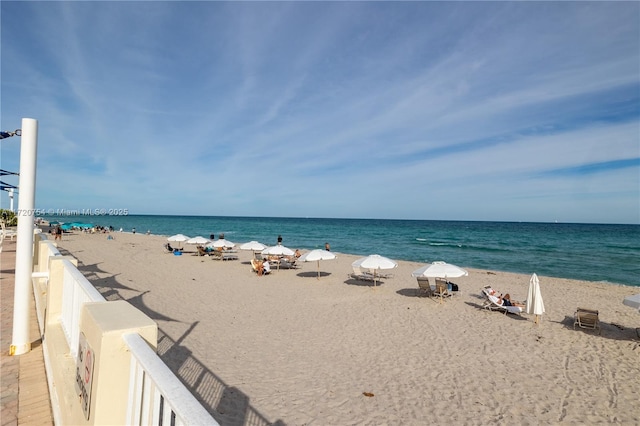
(58, 233)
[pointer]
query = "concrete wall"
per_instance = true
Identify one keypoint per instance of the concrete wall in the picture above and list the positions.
(102, 325)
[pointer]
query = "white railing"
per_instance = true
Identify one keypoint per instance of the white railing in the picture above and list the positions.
(76, 291)
(42, 273)
(156, 396)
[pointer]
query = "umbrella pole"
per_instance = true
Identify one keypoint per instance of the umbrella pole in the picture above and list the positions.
(318, 270)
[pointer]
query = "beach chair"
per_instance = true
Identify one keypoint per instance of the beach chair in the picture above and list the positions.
(229, 256)
(287, 264)
(587, 318)
(360, 275)
(256, 266)
(424, 287)
(495, 304)
(486, 292)
(442, 290)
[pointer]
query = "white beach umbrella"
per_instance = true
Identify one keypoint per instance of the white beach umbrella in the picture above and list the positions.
(222, 243)
(178, 238)
(254, 246)
(278, 251)
(633, 301)
(440, 269)
(535, 305)
(317, 255)
(375, 262)
(198, 240)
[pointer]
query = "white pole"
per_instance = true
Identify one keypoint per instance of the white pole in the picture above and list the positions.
(24, 244)
(11, 199)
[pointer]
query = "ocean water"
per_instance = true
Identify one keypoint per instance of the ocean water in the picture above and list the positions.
(591, 252)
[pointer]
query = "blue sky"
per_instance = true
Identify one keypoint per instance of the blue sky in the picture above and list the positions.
(516, 111)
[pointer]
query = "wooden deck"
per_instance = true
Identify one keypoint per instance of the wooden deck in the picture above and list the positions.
(25, 393)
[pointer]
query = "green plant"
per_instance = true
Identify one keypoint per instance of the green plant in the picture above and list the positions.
(9, 217)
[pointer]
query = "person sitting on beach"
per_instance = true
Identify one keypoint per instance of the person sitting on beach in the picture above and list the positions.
(506, 301)
(266, 268)
(297, 254)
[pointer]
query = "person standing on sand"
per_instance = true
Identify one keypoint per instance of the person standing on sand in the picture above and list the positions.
(279, 240)
(327, 247)
(58, 233)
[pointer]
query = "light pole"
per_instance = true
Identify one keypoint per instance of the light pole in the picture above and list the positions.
(21, 343)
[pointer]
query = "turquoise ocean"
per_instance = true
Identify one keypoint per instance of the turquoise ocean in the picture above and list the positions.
(591, 252)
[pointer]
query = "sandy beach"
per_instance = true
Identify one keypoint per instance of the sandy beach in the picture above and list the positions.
(292, 349)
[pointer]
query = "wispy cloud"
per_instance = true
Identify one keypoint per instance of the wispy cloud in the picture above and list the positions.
(406, 110)
(594, 168)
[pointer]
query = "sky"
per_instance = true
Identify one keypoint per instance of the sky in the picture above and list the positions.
(499, 111)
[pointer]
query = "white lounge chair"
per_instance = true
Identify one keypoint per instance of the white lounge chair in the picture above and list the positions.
(495, 304)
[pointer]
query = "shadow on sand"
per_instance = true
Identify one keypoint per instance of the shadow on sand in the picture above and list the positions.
(313, 274)
(611, 330)
(227, 404)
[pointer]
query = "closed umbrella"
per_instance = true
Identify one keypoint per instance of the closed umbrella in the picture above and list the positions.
(317, 255)
(375, 263)
(535, 305)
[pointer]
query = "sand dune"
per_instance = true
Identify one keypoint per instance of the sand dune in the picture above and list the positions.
(291, 349)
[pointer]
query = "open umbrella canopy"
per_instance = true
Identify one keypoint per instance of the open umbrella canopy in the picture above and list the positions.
(198, 240)
(178, 238)
(68, 226)
(535, 305)
(253, 245)
(633, 301)
(317, 255)
(440, 270)
(375, 262)
(278, 251)
(222, 243)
